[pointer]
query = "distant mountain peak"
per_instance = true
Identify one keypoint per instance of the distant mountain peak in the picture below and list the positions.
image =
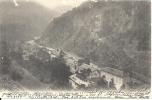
(25, 21)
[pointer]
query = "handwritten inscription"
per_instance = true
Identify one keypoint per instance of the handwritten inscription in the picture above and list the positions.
(143, 93)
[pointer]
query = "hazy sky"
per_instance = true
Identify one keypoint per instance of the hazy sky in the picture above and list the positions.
(55, 3)
(52, 3)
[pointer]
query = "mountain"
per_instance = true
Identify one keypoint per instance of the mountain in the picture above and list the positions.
(23, 22)
(112, 34)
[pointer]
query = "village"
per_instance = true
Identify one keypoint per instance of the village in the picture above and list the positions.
(85, 74)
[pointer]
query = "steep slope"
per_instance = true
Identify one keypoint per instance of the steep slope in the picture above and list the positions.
(112, 34)
(25, 21)
(18, 78)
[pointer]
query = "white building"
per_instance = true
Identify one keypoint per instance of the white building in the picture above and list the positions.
(118, 77)
(78, 83)
(115, 74)
(109, 73)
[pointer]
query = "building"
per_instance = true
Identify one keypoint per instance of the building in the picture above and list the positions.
(77, 83)
(115, 74)
(118, 77)
(32, 48)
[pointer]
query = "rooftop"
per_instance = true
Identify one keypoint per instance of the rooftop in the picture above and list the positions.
(113, 71)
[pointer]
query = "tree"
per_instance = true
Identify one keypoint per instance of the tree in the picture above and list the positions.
(85, 73)
(4, 48)
(60, 72)
(112, 84)
(103, 83)
(4, 57)
(16, 76)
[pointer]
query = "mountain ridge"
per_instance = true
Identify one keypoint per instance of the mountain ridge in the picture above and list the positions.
(112, 33)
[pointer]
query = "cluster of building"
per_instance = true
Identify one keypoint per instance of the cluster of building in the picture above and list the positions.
(85, 74)
(42, 53)
(91, 76)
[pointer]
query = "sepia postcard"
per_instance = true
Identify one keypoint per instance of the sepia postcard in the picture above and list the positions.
(75, 49)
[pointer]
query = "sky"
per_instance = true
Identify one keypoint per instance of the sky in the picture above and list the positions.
(52, 3)
(55, 3)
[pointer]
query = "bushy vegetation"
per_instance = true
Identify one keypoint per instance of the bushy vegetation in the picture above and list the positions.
(54, 71)
(16, 76)
(60, 72)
